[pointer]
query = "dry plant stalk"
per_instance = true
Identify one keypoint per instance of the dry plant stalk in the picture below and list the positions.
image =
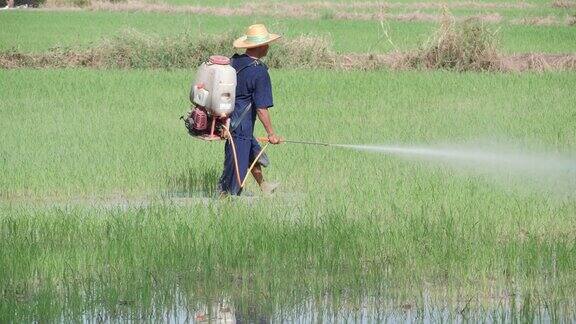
(564, 4)
(537, 21)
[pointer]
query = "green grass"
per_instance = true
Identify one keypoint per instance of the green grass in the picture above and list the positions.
(49, 29)
(346, 225)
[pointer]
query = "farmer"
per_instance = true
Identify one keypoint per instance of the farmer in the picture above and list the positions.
(253, 98)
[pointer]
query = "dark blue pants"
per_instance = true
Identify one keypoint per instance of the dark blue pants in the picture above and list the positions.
(247, 148)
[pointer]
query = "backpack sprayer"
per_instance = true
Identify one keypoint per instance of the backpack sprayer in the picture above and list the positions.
(212, 95)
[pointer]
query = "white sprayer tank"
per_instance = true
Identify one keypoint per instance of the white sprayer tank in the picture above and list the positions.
(215, 86)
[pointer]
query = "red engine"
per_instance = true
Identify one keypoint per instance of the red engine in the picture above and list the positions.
(199, 119)
(201, 125)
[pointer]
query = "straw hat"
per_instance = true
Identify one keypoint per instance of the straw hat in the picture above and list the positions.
(256, 35)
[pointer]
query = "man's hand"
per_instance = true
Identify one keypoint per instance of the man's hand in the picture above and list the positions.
(267, 123)
(273, 139)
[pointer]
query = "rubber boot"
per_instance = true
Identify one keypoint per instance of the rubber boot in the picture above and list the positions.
(269, 187)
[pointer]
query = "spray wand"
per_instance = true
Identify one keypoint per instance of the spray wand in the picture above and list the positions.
(265, 139)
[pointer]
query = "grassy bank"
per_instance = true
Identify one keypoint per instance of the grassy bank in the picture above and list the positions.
(345, 226)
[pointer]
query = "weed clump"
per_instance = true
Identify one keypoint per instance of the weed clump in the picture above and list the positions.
(564, 4)
(571, 21)
(76, 3)
(302, 52)
(466, 46)
(132, 49)
(135, 50)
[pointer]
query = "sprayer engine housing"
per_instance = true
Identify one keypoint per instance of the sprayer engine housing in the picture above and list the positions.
(202, 125)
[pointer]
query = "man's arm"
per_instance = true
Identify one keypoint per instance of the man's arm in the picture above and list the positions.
(264, 117)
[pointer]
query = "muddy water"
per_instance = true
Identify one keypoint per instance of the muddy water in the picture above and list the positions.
(368, 311)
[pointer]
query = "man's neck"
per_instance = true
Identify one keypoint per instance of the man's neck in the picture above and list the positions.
(253, 55)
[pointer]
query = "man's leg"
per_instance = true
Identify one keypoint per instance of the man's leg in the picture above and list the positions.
(225, 181)
(228, 181)
(257, 170)
(267, 187)
(257, 173)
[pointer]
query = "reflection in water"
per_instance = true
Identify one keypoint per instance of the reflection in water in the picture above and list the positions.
(220, 312)
(193, 182)
(224, 311)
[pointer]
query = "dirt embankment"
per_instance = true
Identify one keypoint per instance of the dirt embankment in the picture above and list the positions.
(540, 62)
(457, 46)
(357, 61)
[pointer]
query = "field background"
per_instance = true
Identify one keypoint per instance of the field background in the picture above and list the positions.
(39, 31)
(107, 206)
